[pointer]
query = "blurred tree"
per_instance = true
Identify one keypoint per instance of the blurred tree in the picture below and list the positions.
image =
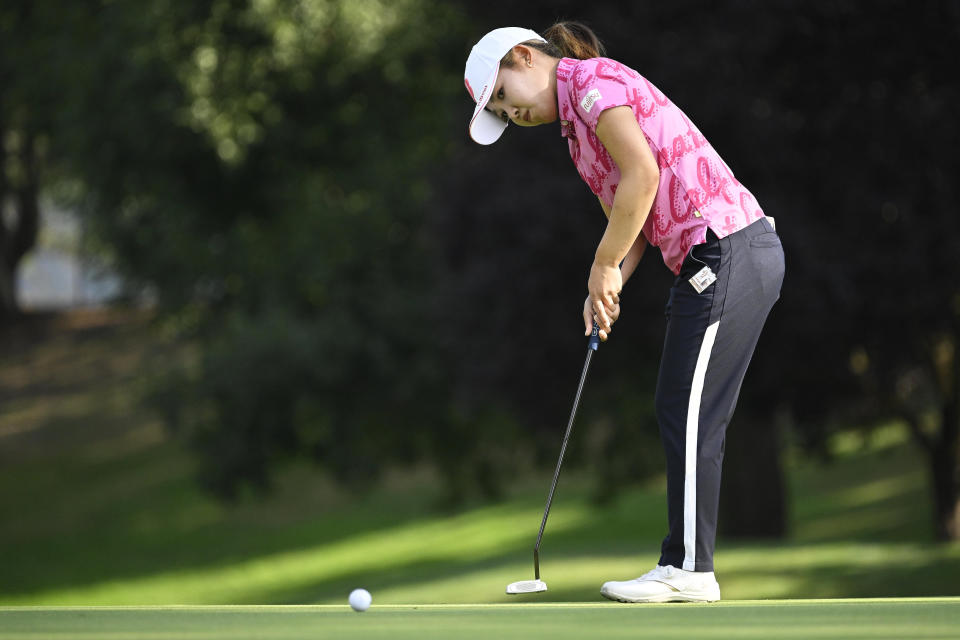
(320, 125)
(874, 307)
(263, 166)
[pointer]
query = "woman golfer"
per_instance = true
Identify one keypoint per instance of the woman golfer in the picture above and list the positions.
(659, 182)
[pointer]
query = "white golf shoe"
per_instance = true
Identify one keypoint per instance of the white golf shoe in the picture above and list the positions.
(665, 584)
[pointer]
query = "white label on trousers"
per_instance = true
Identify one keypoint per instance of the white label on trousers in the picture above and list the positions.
(704, 278)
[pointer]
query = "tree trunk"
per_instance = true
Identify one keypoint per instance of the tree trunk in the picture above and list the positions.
(945, 459)
(18, 233)
(27, 198)
(752, 497)
(946, 501)
(7, 299)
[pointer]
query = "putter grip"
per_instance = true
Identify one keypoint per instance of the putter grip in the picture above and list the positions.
(594, 341)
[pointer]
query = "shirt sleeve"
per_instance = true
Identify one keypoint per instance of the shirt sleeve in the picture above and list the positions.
(598, 84)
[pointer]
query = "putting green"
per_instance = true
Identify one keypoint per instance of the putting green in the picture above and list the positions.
(916, 618)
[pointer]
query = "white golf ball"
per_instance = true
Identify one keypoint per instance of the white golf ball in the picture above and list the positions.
(360, 599)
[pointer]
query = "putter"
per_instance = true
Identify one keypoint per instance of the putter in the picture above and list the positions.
(536, 585)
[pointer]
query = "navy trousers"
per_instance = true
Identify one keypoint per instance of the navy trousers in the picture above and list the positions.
(709, 342)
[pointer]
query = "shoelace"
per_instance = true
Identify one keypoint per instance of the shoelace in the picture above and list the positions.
(658, 572)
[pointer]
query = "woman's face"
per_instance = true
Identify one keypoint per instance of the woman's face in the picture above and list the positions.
(526, 93)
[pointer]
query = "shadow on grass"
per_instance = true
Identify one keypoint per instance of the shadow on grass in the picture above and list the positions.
(101, 507)
(213, 540)
(141, 517)
(847, 569)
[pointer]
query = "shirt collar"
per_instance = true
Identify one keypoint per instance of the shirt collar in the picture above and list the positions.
(564, 108)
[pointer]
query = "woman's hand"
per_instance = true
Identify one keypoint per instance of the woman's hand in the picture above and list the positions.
(588, 318)
(604, 287)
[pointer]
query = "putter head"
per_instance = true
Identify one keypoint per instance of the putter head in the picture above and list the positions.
(526, 586)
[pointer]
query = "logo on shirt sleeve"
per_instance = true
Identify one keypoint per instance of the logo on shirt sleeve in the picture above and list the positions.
(589, 100)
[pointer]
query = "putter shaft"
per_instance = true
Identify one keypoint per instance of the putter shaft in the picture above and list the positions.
(563, 449)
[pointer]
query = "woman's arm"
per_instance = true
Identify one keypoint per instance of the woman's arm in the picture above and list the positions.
(627, 267)
(620, 134)
(635, 254)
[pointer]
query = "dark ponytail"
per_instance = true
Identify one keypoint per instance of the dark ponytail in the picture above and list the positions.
(564, 40)
(574, 40)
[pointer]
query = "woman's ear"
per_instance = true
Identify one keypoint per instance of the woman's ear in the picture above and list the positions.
(523, 55)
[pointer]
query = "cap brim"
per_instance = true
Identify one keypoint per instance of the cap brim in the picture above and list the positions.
(486, 128)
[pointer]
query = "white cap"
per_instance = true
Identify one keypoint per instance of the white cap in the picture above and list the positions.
(480, 74)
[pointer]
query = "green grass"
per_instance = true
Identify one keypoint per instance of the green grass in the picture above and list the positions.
(895, 619)
(98, 507)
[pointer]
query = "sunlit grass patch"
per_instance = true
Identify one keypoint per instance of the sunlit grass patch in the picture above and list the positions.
(110, 514)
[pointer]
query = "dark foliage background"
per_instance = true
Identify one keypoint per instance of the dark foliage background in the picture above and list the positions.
(368, 288)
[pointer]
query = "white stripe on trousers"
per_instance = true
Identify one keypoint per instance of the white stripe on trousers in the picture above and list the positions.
(690, 469)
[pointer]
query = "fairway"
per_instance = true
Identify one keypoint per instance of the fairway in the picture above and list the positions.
(875, 619)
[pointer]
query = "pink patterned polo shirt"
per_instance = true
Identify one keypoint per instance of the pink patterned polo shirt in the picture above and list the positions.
(697, 190)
